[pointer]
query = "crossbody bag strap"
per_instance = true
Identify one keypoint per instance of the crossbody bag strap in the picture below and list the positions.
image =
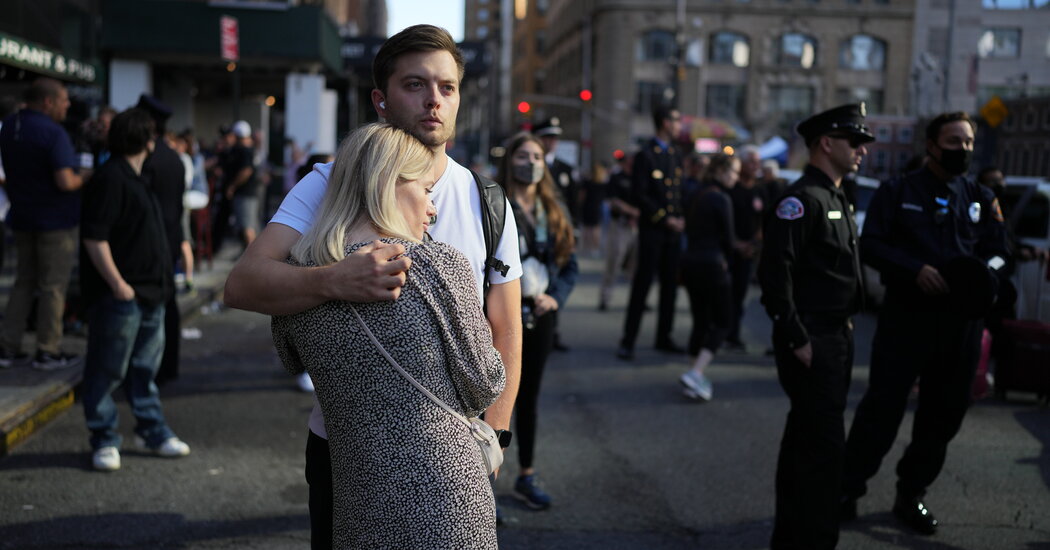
(407, 376)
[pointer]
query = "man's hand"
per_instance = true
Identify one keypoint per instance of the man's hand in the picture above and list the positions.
(544, 303)
(805, 354)
(124, 292)
(262, 281)
(373, 273)
(675, 223)
(931, 282)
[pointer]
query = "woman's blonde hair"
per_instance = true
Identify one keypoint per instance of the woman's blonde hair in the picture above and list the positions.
(369, 165)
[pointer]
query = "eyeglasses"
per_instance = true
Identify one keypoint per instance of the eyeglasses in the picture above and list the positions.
(854, 140)
(941, 213)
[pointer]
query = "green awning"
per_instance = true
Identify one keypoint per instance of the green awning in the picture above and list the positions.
(24, 54)
(190, 30)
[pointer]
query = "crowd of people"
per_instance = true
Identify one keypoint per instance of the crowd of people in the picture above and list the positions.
(434, 292)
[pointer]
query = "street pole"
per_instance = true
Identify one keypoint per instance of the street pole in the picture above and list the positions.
(236, 75)
(948, 58)
(585, 114)
(679, 51)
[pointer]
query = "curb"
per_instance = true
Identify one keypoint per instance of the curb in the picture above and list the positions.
(18, 425)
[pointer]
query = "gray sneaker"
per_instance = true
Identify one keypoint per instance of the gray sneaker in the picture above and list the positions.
(697, 386)
(48, 361)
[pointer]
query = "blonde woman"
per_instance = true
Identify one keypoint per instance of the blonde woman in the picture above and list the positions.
(405, 473)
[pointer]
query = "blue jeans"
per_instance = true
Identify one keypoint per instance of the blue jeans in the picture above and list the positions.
(125, 344)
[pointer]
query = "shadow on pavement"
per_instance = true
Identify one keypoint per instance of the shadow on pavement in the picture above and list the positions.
(140, 531)
(1037, 421)
(886, 529)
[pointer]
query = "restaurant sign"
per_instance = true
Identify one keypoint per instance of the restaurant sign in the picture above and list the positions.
(28, 55)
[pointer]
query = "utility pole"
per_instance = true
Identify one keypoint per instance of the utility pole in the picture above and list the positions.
(677, 63)
(585, 114)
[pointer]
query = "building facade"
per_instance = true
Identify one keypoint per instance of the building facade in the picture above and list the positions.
(761, 65)
(967, 51)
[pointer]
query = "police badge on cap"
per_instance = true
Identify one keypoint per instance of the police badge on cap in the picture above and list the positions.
(845, 120)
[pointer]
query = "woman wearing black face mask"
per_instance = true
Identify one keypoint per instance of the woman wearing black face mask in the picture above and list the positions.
(548, 260)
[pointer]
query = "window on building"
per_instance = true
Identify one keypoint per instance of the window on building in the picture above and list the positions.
(905, 134)
(790, 104)
(871, 97)
(730, 48)
(1013, 4)
(483, 14)
(999, 42)
(797, 50)
(656, 45)
(651, 94)
(482, 32)
(862, 52)
(541, 41)
(883, 134)
(542, 6)
(726, 101)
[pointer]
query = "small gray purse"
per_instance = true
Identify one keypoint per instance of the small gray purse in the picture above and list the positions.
(488, 442)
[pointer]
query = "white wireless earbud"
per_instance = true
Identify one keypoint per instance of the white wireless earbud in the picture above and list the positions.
(382, 105)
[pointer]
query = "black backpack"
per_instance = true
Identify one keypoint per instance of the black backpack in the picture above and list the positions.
(493, 217)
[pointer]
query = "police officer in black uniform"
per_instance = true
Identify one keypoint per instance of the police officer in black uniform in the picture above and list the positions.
(811, 286)
(549, 131)
(919, 228)
(656, 181)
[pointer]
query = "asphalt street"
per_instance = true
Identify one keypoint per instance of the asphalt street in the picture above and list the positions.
(631, 464)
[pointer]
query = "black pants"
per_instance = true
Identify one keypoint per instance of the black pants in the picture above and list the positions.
(740, 272)
(658, 252)
(220, 223)
(809, 468)
(940, 349)
(536, 344)
(710, 302)
(169, 361)
(319, 477)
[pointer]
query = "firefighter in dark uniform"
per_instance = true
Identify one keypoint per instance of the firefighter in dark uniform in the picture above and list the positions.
(811, 286)
(656, 181)
(926, 232)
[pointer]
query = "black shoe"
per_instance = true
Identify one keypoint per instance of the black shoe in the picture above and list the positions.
(625, 353)
(8, 359)
(914, 513)
(668, 346)
(847, 509)
(558, 345)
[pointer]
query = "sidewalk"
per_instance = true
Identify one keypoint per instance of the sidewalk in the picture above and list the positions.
(30, 398)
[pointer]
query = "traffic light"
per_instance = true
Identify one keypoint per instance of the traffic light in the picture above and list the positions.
(585, 94)
(524, 107)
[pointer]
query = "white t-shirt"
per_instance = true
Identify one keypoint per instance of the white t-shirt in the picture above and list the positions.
(458, 223)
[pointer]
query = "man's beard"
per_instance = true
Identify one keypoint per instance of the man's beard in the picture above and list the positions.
(430, 139)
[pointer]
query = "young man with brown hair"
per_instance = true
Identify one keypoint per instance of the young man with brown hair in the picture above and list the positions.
(417, 75)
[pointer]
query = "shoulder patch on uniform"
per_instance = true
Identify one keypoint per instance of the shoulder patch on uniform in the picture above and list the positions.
(997, 212)
(790, 208)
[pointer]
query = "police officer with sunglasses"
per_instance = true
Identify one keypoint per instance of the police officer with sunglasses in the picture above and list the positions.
(811, 286)
(937, 239)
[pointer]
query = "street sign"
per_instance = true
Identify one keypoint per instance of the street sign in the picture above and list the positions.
(994, 112)
(229, 38)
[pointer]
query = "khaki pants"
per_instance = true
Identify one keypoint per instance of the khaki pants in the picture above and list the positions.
(620, 241)
(44, 265)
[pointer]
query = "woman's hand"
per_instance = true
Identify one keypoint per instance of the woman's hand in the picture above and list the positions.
(544, 304)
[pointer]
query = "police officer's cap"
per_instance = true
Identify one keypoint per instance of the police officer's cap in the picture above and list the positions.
(549, 127)
(154, 106)
(845, 120)
(972, 286)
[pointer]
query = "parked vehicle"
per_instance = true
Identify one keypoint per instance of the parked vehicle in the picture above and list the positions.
(1026, 203)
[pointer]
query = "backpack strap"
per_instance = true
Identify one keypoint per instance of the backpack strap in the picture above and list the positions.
(493, 217)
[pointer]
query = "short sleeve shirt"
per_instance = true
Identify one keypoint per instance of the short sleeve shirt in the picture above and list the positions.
(33, 148)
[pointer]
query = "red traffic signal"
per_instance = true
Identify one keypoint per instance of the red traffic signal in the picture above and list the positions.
(585, 95)
(524, 107)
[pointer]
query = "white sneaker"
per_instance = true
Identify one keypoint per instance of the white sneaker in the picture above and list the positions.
(106, 459)
(306, 384)
(172, 447)
(697, 386)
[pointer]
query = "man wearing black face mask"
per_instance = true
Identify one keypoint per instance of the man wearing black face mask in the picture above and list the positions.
(938, 240)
